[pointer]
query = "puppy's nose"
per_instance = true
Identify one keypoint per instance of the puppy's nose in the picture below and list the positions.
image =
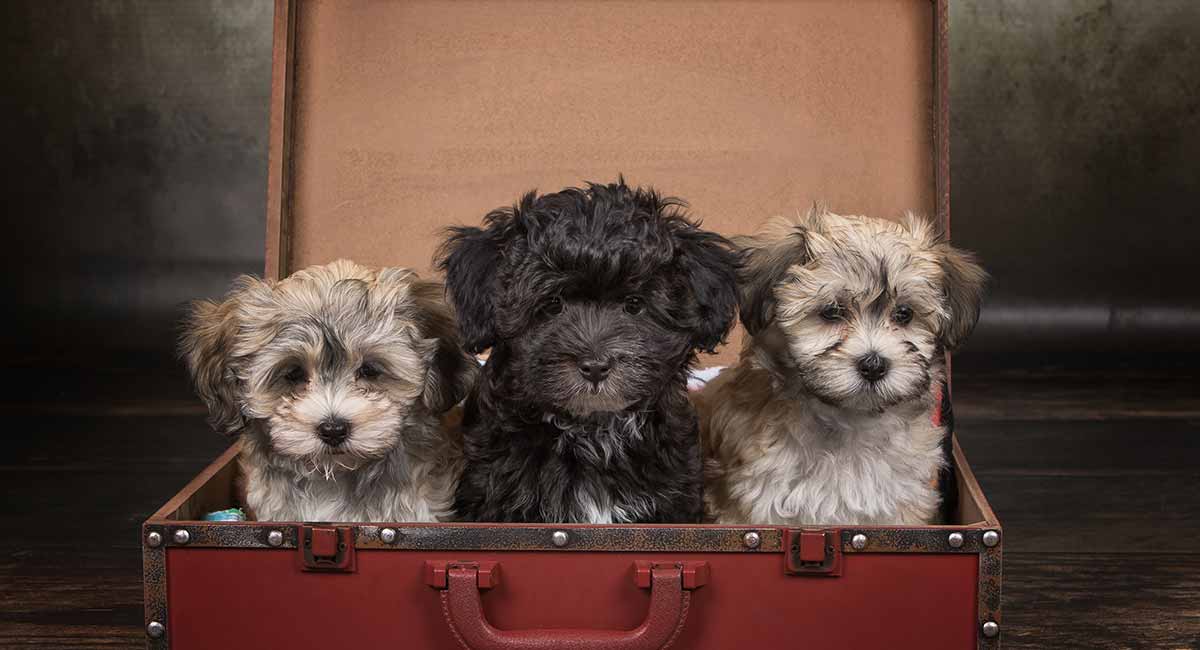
(333, 431)
(594, 370)
(872, 367)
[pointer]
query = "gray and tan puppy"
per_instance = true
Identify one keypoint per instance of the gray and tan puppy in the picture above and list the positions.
(828, 416)
(335, 379)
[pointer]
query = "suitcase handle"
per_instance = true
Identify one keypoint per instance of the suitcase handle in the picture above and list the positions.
(670, 596)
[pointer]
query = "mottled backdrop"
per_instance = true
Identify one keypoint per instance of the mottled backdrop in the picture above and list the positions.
(1075, 155)
(136, 139)
(135, 169)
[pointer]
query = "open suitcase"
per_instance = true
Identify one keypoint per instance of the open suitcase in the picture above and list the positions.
(390, 120)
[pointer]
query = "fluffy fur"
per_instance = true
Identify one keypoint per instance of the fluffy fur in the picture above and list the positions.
(334, 379)
(828, 417)
(607, 276)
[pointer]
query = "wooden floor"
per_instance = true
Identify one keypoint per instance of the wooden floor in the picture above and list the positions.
(1095, 477)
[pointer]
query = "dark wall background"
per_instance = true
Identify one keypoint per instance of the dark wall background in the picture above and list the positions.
(136, 173)
(1075, 154)
(136, 136)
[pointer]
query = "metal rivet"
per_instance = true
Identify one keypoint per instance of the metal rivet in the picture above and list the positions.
(182, 536)
(154, 539)
(991, 629)
(751, 539)
(388, 535)
(155, 630)
(275, 538)
(560, 538)
(991, 538)
(955, 540)
(859, 541)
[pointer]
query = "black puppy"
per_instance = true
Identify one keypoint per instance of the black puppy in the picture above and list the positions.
(594, 302)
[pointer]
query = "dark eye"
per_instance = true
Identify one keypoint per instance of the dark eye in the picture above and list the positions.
(369, 371)
(554, 306)
(634, 305)
(833, 312)
(903, 314)
(295, 375)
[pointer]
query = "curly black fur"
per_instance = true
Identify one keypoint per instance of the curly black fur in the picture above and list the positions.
(605, 274)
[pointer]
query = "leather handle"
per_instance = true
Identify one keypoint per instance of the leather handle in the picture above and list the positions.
(670, 599)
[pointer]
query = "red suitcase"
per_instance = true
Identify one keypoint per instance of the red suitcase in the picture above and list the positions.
(392, 120)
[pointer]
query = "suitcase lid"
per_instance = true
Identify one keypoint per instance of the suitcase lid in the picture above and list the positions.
(390, 121)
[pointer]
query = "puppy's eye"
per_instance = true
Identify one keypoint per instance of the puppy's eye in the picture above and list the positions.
(369, 371)
(295, 375)
(554, 306)
(833, 312)
(903, 314)
(634, 305)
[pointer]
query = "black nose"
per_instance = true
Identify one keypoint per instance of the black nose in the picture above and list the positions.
(872, 367)
(594, 370)
(333, 432)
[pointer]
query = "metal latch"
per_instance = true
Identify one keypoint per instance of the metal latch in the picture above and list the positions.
(813, 552)
(326, 548)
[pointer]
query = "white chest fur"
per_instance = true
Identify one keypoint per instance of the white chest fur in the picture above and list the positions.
(803, 462)
(392, 489)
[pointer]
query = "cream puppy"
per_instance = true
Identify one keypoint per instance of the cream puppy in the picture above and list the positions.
(829, 416)
(335, 379)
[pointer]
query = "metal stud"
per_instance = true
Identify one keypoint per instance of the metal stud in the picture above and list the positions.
(859, 541)
(991, 538)
(751, 539)
(155, 630)
(991, 629)
(560, 538)
(275, 538)
(154, 539)
(182, 536)
(388, 535)
(955, 540)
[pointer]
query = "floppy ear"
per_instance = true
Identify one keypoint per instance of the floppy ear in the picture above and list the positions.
(765, 263)
(963, 281)
(469, 257)
(710, 265)
(452, 371)
(207, 345)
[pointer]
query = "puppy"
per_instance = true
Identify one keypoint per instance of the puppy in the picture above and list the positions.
(829, 416)
(594, 302)
(335, 379)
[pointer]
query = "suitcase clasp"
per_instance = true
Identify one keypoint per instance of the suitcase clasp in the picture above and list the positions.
(812, 552)
(326, 548)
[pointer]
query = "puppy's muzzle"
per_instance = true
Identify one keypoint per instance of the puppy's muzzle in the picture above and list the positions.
(595, 370)
(872, 367)
(333, 431)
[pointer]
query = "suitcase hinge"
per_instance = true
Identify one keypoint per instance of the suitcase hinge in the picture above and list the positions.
(813, 552)
(326, 548)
